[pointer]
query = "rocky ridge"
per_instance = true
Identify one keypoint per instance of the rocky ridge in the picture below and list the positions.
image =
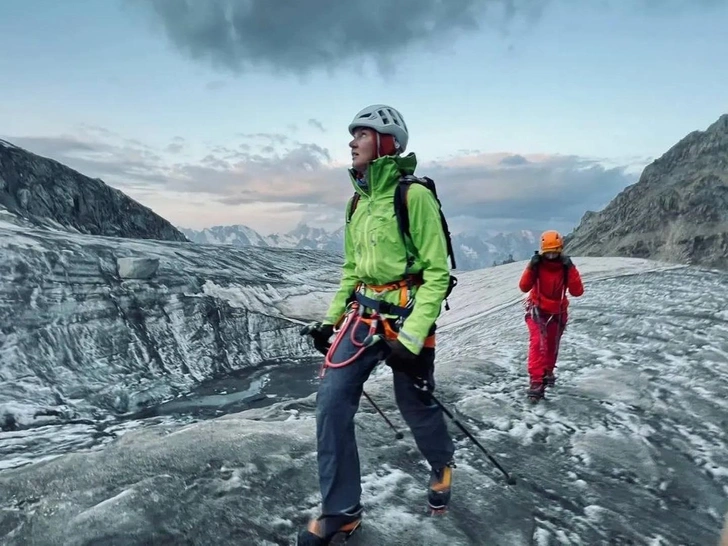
(50, 194)
(677, 211)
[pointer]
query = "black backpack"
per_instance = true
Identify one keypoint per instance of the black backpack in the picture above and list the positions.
(402, 215)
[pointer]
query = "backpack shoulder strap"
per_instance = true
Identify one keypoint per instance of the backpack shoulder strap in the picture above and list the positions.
(353, 202)
(400, 206)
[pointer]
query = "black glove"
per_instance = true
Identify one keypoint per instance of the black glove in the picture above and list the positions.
(535, 260)
(320, 333)
(566, 261)
(403, 360)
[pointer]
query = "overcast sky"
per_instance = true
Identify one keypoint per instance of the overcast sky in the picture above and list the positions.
(236, 111)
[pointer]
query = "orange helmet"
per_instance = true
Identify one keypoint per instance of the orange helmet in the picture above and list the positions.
(551, 241)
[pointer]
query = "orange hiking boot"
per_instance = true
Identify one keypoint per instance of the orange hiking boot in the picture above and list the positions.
(322, 530)
(438, 495)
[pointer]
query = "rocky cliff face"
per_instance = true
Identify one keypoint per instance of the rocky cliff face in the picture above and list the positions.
(95, 326)
(51, 194)
(677, 211)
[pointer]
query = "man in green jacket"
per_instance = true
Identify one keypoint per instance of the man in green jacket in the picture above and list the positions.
(392, 288)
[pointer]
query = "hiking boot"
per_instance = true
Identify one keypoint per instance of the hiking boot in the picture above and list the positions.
(549, 379)
(438, 495)
(323, 529)
(536, 391)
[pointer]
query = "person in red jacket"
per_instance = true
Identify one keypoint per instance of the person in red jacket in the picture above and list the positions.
(547, 278)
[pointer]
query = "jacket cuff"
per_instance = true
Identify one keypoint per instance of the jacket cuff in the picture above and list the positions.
(412, 343)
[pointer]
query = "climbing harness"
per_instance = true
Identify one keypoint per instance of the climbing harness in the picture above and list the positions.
(371, 310)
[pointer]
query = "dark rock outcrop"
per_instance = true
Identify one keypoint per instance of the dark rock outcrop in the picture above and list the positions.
(50, 194)
(677, 211)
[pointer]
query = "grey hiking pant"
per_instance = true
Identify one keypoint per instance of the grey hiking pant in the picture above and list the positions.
(337, 402)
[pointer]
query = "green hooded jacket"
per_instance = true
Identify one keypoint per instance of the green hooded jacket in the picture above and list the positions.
(375, 254)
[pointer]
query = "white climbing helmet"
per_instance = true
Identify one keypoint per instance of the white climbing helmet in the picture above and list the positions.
(385, 120)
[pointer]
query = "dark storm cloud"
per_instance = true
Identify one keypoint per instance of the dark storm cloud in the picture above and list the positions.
(300, 35)
(297, 36)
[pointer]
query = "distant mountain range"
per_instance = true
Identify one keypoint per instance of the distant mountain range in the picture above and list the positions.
(472, 250)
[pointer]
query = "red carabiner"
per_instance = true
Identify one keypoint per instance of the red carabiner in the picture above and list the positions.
(351, 326)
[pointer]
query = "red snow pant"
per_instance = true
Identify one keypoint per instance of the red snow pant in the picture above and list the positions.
(545, 335)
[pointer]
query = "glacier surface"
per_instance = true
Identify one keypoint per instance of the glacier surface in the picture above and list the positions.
(628, 448)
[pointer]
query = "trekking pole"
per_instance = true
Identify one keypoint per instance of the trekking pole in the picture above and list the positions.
(510, 480)
(397, 434)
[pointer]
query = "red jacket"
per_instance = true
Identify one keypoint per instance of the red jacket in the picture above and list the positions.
(547, 288)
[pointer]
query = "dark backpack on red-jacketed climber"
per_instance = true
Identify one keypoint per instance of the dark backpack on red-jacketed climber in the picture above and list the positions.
(402, 215)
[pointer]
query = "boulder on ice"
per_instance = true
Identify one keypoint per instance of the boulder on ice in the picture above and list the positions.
(137, 268)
